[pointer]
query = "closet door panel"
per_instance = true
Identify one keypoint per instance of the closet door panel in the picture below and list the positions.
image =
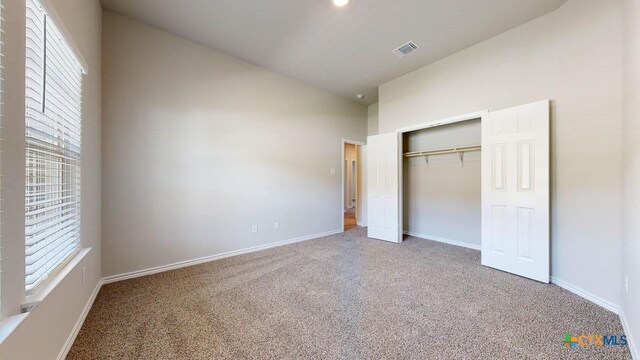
(515, 190)
(382, 187)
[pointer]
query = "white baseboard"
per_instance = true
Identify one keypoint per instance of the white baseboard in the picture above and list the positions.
(443, 240)
(181, 264)
(76, 328)
(635, 354)
(605, 304)
(587, 295)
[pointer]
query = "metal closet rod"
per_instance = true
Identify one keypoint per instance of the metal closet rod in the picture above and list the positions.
(461, 149)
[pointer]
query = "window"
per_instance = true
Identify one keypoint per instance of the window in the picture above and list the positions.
(53, 135)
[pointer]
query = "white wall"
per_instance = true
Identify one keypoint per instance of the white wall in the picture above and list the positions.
(441, 201)
(571, 56)
(198, 146)
(372, 119)
(52, 321)
(631, 169)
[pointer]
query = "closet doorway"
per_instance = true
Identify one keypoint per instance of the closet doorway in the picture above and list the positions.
(352, 179)
(514, 186)
(441, 183)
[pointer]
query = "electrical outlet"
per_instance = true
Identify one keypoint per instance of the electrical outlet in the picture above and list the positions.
(254, 228)
(626, 284)
(333, 171)
(84, 274)
(276, 226)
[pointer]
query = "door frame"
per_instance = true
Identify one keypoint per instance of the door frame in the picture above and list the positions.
(342, 178)
(436, 123)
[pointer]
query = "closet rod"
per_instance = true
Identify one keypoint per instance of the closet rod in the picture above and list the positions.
(443, 151)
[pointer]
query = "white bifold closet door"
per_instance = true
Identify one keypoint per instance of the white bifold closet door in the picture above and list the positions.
(383, 205)
(515, 190)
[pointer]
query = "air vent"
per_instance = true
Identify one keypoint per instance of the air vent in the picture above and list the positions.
(406, 49)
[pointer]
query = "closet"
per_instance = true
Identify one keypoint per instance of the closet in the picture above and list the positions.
(478, 180)
(442, 183)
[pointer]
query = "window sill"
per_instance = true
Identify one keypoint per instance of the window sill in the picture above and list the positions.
(9, 324)
(43, 291)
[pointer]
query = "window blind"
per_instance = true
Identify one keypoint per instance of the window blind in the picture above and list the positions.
(53, 142)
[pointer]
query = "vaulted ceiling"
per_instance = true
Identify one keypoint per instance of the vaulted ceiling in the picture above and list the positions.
(345, 50)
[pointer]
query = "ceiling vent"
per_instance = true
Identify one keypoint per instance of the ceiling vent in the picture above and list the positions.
(406, 49)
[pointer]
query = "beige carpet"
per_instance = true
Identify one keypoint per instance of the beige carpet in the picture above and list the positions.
(342, 297)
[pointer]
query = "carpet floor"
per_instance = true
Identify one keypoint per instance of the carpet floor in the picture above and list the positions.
(342, 297)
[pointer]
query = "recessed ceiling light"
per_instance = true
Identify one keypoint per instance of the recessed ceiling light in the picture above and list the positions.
(340, 2)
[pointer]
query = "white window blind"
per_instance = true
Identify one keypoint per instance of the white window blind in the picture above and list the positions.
(53, 142)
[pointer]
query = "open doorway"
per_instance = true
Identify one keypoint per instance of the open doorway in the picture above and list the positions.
(351, 184)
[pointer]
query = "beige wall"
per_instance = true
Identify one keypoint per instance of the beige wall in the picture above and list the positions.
(571, 56)
(631, 169)
(44, 331)
(442, 201)
(198, 146)
(372, 119)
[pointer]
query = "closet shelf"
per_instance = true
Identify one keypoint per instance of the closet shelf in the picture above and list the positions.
(462, 149)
